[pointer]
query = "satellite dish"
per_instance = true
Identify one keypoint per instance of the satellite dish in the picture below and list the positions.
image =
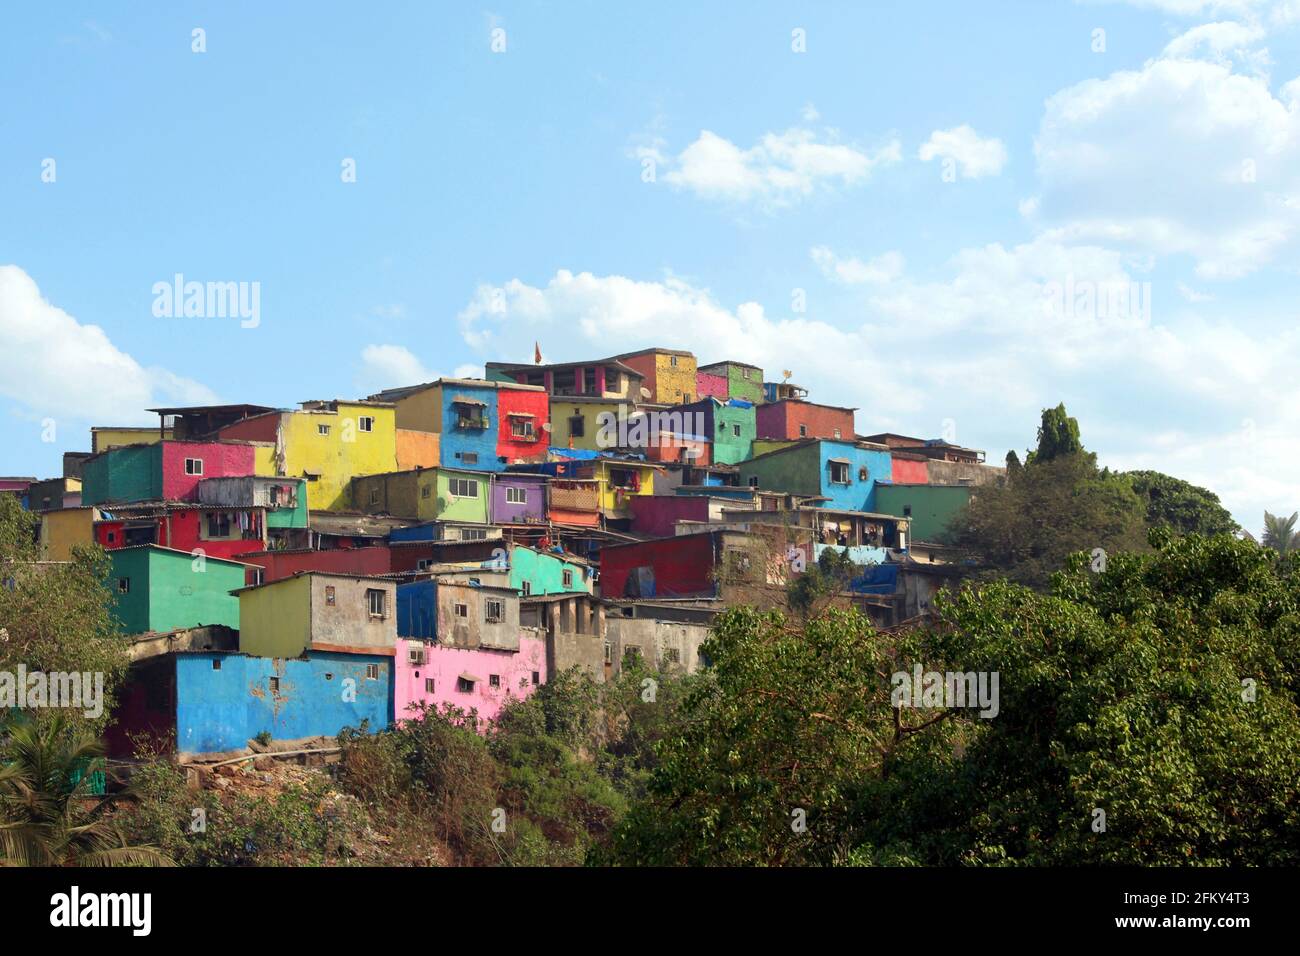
(645, 392)
(546, 427)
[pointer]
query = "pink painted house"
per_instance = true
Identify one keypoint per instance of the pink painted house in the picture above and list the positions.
(470, 678)
(708, 385)
(215, 459)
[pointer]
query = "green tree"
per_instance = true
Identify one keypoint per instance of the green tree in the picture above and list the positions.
(1180, 505)
(1280, 533)
(1058, 436)
(57, 616)
(45, 819)
(1024, 529)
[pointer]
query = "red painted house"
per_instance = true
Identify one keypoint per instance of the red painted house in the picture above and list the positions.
(218, 532)
(682, 566)
(793, 419)
(910, 468)
(363, 562)
(657, 515)
(521, 415)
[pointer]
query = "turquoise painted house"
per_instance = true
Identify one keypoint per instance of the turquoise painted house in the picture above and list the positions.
(160, 589)
(845, 474)
(544, 572)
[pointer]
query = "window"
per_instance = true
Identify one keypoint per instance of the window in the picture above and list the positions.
(566, 577)
(473, 534)
(517, 496)
(537, 678)
(374, 496)
(468, 457)
(803, 431)
(193, 466)
(862, 473)
(426, 491)
(275, 687)
(464, 487)
(837, 433)
(123, 585)
(372, 670)
(622, 478)
(322, 429)
(494, 680)
(329, 595)
(613, 380)
(528, 588)
(672, 360)
(218, 524)
(112, 536)
(375, 602)
(521, 427)
(464, 685)
(753, 481)
(415, 654)
(469, 414)
(494, 611)
(672, 655)
(735, 431)
(609, 652)
(216, 665)
(907, 511)
(259, 575)
(839, 472)
(461, 610)
(745, 372)
(577, 426)
(366, 423)
(428, 685)
(423, 564)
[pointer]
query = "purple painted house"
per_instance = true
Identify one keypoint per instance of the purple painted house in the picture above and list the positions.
(518, 499)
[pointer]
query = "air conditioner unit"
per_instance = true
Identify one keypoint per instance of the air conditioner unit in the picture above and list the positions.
(417, 655)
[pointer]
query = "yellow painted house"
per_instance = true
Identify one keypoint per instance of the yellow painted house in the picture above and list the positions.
(102, 438)
(575, 421)
(65, 529)
(328, 443)
(670, 374)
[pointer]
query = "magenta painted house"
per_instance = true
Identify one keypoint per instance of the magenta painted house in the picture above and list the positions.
(518, 499)
(469, 678)
(185, 464)
(708, 385)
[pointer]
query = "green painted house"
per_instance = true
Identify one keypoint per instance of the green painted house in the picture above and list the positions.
(743, 381)
(930, 507)
(730, 426)
(161, 589)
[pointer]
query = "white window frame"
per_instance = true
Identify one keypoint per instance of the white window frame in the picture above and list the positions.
(489, 604)
(463, 484)
(516, 496)
(193, 466)
(365, 423)
(371, 595)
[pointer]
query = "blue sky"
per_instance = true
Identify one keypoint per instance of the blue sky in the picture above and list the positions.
(888, 213)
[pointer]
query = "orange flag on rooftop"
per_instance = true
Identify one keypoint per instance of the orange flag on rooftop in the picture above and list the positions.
(537, 353)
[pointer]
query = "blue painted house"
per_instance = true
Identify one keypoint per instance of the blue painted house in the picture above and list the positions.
(214, 701)
(843, 474)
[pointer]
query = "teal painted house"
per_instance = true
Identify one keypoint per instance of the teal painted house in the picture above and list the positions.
(544, 572)
(129, 473)
(730, 425)
(161, 589)
(846, 474)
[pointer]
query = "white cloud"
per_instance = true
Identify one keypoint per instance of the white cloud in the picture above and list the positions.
(393, 366)
(853, 271)
(1231, 200)
(1192, 295)
(974, 155)
(781, 168)
(809, 113)
(54, 365)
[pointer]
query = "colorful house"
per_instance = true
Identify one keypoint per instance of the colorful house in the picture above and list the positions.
(480, 424)
(482, 679)
(617, 480)
(743, 381)
(102, 438)
(585, 423)
(65, 529)
(426, 494)
(318, 611)
(162, 471)
(683, 566)
(795, 419)
(670, 374)
(53, 494)
(161, 589)
(211, 530)
(600, 378)
(517, 498)
(284, 500)
(214, 702)
(930, 508)
(843, 474)
(267, 566)
(326, 443)
(657, 516)
(731, 425)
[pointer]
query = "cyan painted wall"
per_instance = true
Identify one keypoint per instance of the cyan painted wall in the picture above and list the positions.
(545, 572)
(805, 470)
(131, 473)
(930, 507)
(169, 590)
(223, 708)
